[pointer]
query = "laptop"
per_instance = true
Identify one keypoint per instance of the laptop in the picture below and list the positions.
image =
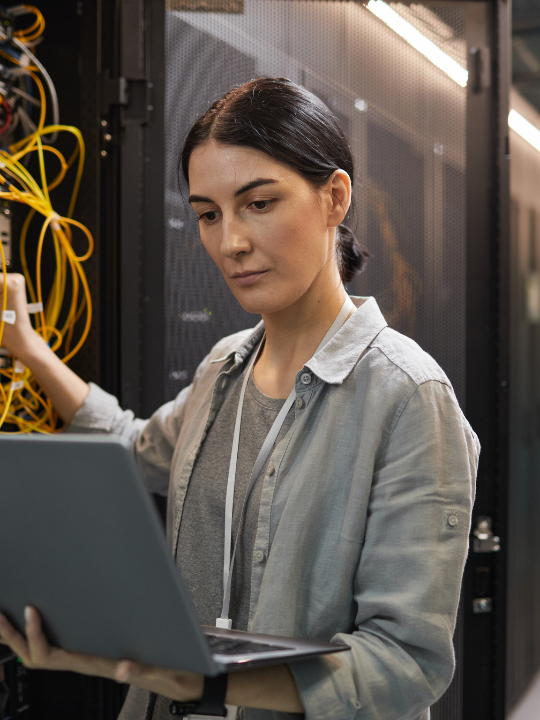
(81, 541)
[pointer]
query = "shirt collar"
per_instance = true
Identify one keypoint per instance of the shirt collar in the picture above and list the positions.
(337, 359)
(334, 363)
(241, 353)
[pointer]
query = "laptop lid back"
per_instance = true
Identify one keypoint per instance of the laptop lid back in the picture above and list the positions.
(80, 541)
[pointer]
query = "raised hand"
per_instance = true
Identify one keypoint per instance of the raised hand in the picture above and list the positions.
(19, 338)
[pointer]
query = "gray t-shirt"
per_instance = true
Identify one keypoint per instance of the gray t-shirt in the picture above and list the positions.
(201, 539)
(202, 530)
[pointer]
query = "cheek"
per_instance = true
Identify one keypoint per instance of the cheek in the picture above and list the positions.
(301, 239)
(211, 243)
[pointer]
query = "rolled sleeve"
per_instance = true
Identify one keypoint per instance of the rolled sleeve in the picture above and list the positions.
(153, 441)
(408, 580)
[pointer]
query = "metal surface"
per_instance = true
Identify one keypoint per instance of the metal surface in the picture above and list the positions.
(132, 192)
(523, 652)
(526, 49)
(432, 209)
(484, 664)
(141, 264)
(484, 539)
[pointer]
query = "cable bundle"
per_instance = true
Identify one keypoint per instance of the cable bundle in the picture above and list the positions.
(23, 406)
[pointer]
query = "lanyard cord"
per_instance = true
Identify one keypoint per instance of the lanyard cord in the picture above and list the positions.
(228, 561)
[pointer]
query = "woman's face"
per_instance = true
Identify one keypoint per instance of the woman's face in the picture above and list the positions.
(268, 230)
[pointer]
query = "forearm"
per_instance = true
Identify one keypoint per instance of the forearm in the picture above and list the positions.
(269, 688)
(65, 389)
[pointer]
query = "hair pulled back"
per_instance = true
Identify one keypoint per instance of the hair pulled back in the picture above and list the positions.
(290, 124)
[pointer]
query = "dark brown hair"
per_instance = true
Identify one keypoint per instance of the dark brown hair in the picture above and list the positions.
(290, 124)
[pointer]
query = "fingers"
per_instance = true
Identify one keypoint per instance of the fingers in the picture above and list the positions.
(15, 282)
(122, 672)
(39, 648)
(13, 639)
(36, 652)
(183, 686)
(128, 671)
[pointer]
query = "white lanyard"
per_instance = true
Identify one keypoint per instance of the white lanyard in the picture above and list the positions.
(228, 562)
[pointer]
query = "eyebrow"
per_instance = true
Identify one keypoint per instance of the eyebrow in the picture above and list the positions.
(240, 191)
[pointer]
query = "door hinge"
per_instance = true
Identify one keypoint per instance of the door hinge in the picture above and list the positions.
(484, 539)
(480, 74)
(114, 91)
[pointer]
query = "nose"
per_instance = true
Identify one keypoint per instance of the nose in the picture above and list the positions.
(234, 237)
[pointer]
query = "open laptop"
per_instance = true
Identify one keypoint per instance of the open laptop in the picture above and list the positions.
(81, 541)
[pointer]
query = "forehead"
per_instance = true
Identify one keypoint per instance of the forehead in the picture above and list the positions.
(214, 167)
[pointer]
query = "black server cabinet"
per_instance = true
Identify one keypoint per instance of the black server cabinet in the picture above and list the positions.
(432, 165)
(432, 208)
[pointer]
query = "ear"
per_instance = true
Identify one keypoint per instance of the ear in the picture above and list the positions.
(339, 190)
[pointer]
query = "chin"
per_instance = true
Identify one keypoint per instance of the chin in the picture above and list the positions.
(265, 303)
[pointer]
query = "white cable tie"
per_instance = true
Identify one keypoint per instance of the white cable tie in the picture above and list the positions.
(224, 623)
(54, 222)
(17, 385)
(9, 317)
(34, 307)
(18, 367)
(24, 61)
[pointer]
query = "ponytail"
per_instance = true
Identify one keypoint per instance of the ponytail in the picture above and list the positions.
(352, 257)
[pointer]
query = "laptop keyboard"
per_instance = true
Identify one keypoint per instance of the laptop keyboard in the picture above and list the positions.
(220, 645)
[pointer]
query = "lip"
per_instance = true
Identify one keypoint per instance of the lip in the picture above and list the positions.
(248, 277)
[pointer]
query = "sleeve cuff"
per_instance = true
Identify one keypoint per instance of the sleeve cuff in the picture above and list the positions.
(96, 414)
(326, 688)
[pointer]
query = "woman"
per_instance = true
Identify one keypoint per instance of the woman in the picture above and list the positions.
(356, 527)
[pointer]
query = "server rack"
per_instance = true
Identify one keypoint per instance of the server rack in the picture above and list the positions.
(156, 295)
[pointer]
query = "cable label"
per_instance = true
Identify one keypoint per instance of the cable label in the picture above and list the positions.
(9, 317)
(17, 385)
(18, 367)
(35, 307)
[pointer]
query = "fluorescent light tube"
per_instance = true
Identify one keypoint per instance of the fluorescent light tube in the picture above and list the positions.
(419, 42)
(523, 127)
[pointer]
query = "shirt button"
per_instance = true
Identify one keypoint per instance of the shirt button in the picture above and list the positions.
(224, 382)
(453, 520)
(259, 556)
(270, 470)
(299, 403)
(305, 378)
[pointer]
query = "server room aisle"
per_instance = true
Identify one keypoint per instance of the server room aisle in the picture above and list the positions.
(529, 706)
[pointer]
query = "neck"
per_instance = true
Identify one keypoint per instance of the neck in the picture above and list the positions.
(293, 335)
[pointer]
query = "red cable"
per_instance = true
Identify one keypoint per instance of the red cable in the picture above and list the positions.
(7, 123)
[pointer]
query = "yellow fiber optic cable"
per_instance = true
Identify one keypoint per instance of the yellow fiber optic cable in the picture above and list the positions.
(22, 404)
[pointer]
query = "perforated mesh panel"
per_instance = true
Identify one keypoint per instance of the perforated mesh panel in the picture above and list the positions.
(405, 120)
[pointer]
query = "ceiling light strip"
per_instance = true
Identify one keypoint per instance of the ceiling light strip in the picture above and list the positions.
(419, 42)
(525, 129)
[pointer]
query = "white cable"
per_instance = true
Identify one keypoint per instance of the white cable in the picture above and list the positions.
(26, 119)
(52, 89)
(26, 96)
(17, 10)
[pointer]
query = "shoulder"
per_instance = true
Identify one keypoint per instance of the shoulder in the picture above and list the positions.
(405, 355)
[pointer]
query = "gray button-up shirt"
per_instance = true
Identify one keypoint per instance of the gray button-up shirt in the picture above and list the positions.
(363, 525)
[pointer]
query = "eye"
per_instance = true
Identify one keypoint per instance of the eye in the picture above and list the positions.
(261, 204)
(209, 217)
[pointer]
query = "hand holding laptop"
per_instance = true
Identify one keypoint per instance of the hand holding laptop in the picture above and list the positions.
(254, 688)
(83, 547)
